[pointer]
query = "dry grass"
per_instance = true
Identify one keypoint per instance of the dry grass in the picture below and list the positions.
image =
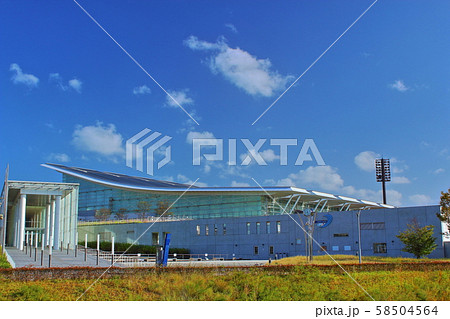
(266, 283)
(349, 259)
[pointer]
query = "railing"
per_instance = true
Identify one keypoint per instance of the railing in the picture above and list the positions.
(149, 260)
(134, 220)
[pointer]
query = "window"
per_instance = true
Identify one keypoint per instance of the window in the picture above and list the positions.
(335, 248)
(258, 227)
(215, 229)
(278, 227)
(198, 229)
(155, 238)
(298, 241)
(268, 227)
(341, 235)
(379, 248)
(224, 229)
(372, 226)
(347, 248)
(271, 250)
(248, 228)
(207, 230)
(323, 248)
(255, 250)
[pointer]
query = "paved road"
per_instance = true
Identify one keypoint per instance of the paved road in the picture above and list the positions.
(62, 259)
(59, 259)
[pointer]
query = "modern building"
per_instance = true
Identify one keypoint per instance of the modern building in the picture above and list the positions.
(233, 222)
(240, 222)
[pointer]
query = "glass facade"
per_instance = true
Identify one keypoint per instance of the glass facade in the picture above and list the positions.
(94, 197)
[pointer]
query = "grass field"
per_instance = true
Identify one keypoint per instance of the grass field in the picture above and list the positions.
(3, 262)
(348, 259)
(264, 283)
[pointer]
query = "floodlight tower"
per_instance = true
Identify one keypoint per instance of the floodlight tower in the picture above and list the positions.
(383, 173)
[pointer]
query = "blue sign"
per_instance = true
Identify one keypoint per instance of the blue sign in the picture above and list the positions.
(324, 222)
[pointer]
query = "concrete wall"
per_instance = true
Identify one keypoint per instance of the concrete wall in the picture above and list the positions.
(289, 242)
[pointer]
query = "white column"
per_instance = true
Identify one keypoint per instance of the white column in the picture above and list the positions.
(48, 214)
(15, 226)
(52, 222)
(57, 224)
(22, 211)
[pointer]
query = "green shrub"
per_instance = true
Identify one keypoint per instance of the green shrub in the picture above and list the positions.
(135, 249)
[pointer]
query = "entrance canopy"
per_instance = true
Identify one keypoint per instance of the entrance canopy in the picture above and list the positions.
(46, 210)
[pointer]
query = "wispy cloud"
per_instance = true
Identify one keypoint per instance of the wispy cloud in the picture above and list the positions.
(100, 139)
(59, 157)
(231, 27)
(366, 160)
(420, 199)
(399, 85)
(74, 84)
(181, 96)
(255, 76)
(400, 180)
(141, 90)
(19, 77)
(439, 171)
(239, 184)
(191, 135)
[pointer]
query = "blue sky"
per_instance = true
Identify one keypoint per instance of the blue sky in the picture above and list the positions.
(70, 95)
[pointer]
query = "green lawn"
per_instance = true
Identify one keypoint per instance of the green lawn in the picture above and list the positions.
(3, 262)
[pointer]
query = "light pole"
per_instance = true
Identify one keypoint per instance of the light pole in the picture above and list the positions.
(383, 174)
(358, 216)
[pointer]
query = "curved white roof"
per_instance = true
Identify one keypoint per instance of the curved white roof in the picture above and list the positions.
(152, 185)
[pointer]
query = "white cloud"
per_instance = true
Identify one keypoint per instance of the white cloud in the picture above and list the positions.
(103, 140)
(180, 96)
(400, 180)
(439, 171)
(23, 78)
(366, 160)
(141, 90)
(185, 180)
(247, 72)
(399, 85)
(76, 85)
(324, 177)
(268, 155)
(231, 27)
(59, 157)
(191, 135)
(238, 184)
(420, 199)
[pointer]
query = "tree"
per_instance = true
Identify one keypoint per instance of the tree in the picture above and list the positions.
(163, 209)
(143, 209)
(444, 215)
(120, 214)
(102, 213)
(418, 241)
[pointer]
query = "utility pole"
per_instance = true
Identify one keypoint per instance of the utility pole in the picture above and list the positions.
(383, 174)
